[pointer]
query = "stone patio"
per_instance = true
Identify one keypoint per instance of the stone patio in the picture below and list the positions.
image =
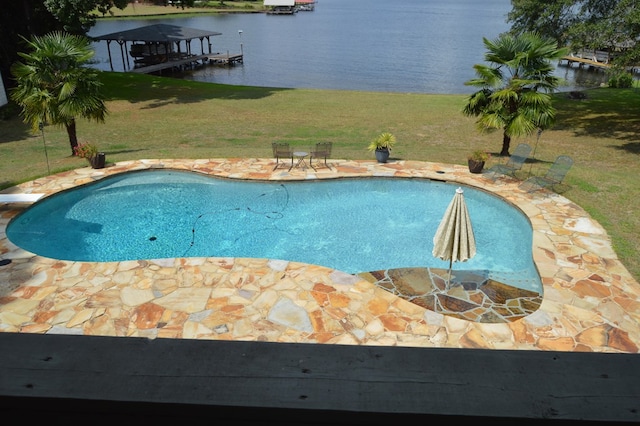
(590, 301)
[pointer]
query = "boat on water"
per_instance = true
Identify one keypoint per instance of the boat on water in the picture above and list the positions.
(305, 5)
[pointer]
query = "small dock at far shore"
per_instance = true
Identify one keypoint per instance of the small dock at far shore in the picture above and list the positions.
(582, 62)
(598, 60)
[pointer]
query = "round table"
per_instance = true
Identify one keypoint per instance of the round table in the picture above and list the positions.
(300, 156)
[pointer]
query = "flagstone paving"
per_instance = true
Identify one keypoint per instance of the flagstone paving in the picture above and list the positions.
(469, 295)
(590, 302)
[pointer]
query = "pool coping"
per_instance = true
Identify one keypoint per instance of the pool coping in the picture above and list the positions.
(591, 302)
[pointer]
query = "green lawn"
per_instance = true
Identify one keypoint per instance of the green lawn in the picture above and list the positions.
(154, 117)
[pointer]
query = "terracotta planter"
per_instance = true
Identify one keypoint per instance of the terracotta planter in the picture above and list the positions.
(475, 166)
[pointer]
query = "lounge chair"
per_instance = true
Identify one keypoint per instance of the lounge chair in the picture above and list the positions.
(554, 175)
(282, 151)
(321, 151)
(513, 164)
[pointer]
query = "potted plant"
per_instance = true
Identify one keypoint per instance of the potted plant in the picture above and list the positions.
(89, 151)
(382, 145)
(476, 160)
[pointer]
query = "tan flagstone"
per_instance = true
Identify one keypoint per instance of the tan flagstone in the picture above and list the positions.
(133, 297)
(185, 299)
(80, 317)
(13, 319)
(20, 306)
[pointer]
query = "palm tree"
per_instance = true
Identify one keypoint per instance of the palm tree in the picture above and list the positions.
(514, 89)
(55, 86)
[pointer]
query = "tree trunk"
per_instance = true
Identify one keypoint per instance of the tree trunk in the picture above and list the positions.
(73, 137)
(506, 142)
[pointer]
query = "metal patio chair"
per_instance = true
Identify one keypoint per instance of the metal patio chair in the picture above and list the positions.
(321, 151)
(555, 175)
(513, 164)
(282, 151)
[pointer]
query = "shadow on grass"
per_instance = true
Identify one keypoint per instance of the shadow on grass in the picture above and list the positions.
(631, 147)
(604, 113)
(14, 129)
(528, 162)
(123, 151)
(163, 91)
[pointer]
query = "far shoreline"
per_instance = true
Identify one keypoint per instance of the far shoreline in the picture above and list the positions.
(152, 11)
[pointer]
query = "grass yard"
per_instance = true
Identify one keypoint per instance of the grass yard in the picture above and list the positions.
(154, 117)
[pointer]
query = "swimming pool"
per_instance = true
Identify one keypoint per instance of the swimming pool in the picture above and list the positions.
(353, 225)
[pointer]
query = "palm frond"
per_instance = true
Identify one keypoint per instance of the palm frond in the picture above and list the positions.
(54, 83)
(515, 84)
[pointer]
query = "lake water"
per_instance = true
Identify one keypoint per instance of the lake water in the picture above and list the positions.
(415, 46)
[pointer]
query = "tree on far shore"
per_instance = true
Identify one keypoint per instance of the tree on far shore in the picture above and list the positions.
(612, 25)
(55, 85)
(513, 90)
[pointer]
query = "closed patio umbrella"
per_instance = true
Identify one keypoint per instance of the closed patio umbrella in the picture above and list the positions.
(454, 240)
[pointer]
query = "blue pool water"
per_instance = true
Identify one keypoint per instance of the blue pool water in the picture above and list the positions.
(353, 225)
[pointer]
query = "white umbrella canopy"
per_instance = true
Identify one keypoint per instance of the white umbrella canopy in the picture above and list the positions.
(454, 240)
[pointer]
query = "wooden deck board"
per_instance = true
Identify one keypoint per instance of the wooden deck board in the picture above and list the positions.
(125, 378)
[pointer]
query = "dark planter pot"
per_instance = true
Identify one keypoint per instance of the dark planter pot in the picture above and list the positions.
(475, 166)
(98, 161)
(382, 155)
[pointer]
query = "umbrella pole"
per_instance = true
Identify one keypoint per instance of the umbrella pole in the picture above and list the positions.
(449, 276)
(533, 157)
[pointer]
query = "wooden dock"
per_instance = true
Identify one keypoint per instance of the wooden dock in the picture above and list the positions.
(228, 58)
(570, 60)
(598, 61)
(192, 61)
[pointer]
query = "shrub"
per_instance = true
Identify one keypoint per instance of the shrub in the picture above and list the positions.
(479, 155)
(86, 150)
(620, 80)
(384, 140)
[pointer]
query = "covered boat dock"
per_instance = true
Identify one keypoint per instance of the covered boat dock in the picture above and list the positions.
(161, 46)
